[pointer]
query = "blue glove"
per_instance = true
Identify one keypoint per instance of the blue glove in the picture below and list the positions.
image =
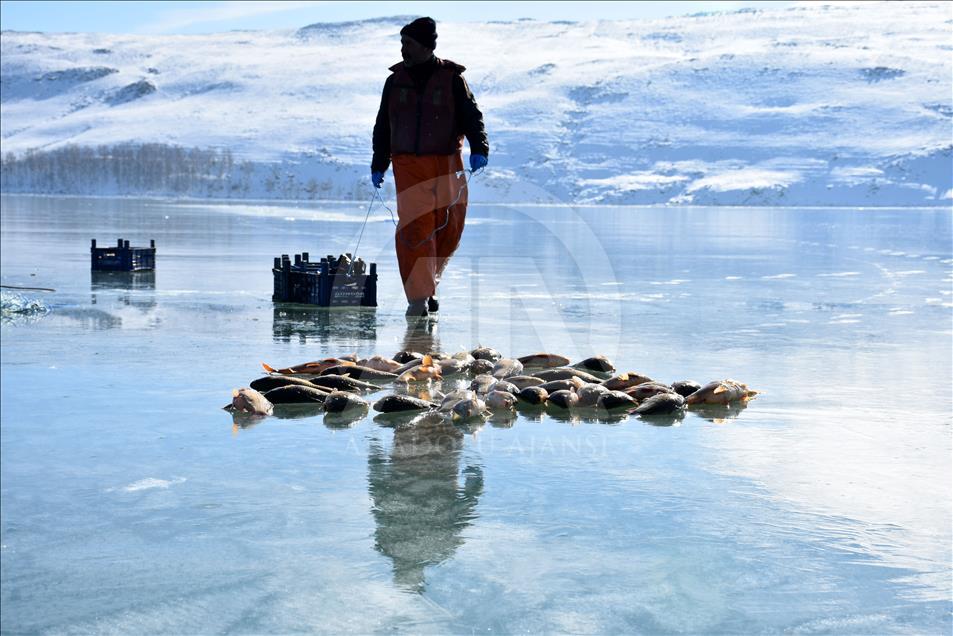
(477, 162)
(377, 178)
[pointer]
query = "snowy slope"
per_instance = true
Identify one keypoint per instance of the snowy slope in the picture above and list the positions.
(811, 105)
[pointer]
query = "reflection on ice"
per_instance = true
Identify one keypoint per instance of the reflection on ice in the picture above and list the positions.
(100, 280)
(345, 420)
(322, 325)
(89, 318)
(297, 411)
(420, 507)
(718, 413)
(421, 335)
(242, 421)
(503, 419)
(397, 418)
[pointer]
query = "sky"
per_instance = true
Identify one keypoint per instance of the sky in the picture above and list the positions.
(209, 17)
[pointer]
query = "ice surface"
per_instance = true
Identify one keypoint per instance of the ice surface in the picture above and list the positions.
(131, 502)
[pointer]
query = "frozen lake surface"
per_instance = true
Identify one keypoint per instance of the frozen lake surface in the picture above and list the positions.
(131, 504)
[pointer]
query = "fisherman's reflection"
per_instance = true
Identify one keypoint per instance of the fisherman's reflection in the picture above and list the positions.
(422, 501)
(421, 335)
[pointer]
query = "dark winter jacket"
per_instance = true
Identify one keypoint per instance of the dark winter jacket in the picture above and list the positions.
(412, 103)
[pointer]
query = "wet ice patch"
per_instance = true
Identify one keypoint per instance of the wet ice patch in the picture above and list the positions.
(859, 623)
(150, 483)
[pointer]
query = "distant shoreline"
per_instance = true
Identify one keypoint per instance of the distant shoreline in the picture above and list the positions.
(316, 202)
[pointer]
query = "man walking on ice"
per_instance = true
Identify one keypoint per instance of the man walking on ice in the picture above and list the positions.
(426, 111)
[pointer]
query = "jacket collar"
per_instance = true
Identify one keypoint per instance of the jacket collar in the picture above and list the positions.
(400, 65)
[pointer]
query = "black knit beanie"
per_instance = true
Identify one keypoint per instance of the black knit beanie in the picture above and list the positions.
(423, 31)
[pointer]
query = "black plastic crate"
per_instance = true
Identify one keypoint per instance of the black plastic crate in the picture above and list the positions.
(122, 257)
(330, 282)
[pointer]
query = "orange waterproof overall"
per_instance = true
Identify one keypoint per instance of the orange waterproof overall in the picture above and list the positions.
(427, 185)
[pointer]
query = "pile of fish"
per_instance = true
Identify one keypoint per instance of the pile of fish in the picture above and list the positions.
(496, 384)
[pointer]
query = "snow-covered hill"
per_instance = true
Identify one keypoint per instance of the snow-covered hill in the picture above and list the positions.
(810, 105)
